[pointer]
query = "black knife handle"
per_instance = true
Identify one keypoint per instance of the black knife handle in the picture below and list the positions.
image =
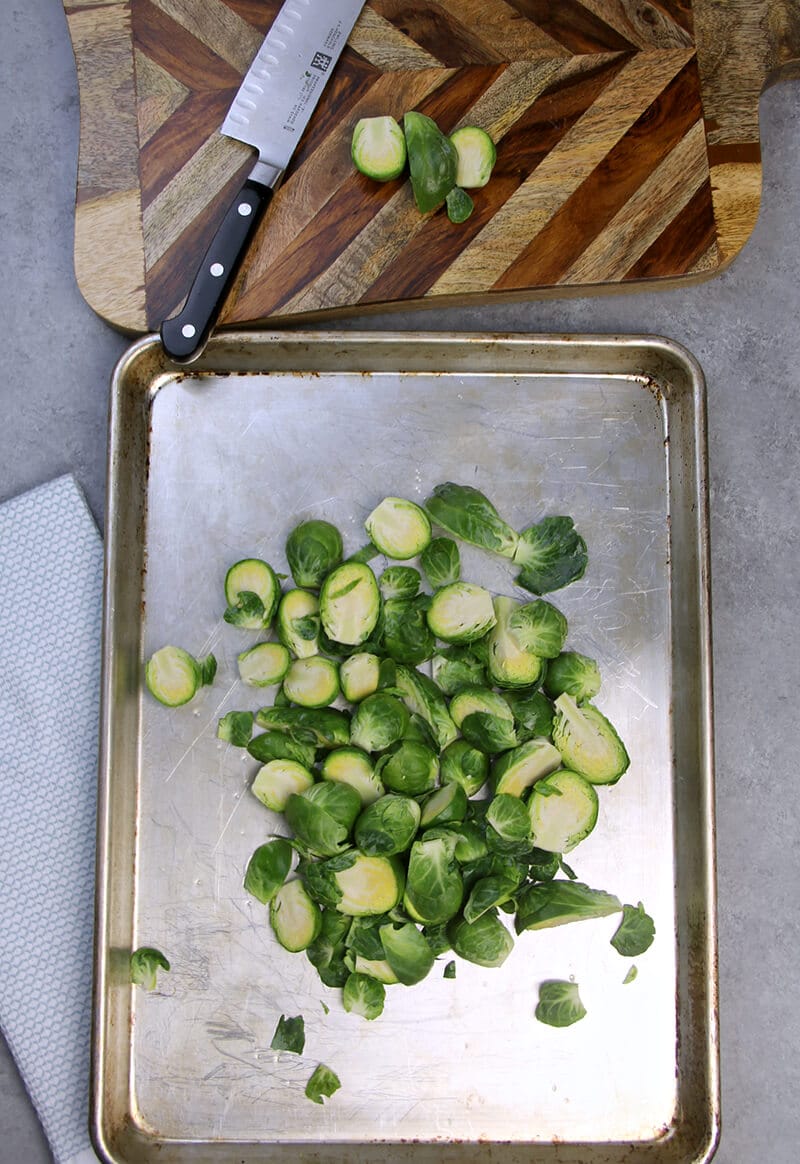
(185, 335)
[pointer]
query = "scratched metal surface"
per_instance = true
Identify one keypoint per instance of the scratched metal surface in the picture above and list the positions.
(236, 460)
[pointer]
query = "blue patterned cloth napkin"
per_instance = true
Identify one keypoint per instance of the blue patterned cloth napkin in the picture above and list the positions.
(51, 570)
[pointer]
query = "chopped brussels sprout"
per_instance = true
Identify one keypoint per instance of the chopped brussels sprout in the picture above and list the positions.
(434, 886)
(354, 767)
(510, 662)
(322, 817)
(476, 156)
(422, 697)
(294, 917)
(563, 811)
(588, 743)
(313, 550)
(267, 869)
(277, 780)
(388, 826)
(410, 768)
(379, 721)
(236, 727)
(462, 764)
(461, 612)
(407, 952)
(173, 676)
(378, 148)
(144, 966)
(349, 604)
(432, 160)
(263, 665)
(441, 562)
(298, 623)
(322, 1084)
(459, 205)
(363, 995)
(446, 806)
(559, 1004)
(572, 674)
(359, 676)
(290, 1035)
(400, 582)
(551, 555)
(555, 903)
(485, 941)
(252, 592)
(518, 770)
(312, 682)
(399, 528)
(539, 627)
(466, 513)
(479, 699)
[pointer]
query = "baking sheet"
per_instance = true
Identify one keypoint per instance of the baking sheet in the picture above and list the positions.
(219, 463)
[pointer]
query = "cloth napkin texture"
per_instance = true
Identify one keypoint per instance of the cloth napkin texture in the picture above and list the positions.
(51, 571)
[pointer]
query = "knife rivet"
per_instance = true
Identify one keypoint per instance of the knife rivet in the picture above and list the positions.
(216, 270)
(244, 209)
(188, 331)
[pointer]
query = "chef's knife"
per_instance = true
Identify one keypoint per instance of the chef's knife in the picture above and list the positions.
(270, 111)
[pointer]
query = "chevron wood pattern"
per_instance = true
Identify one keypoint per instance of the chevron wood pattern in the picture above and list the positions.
(626, 131)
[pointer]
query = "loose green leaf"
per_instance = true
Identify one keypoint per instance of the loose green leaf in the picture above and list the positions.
(629, 977)
(247, 610)
(635, 933)
(322, 1084)
(449, 970)
(364, 995)
(551, 555)
(290, 1035)
(441, 562)
(554, 903)
(145, 964)
(467, 514)
(236, 728)
(559, 1004)
(267, 869)
(459, 205)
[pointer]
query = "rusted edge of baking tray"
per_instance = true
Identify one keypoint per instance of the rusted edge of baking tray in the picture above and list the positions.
(143, 370)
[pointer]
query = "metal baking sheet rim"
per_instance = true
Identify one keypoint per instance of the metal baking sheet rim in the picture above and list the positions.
(662, 366)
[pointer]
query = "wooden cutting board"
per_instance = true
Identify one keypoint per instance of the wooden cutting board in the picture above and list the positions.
(627, 150)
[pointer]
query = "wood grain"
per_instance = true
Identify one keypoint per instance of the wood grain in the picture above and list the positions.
(626, 132)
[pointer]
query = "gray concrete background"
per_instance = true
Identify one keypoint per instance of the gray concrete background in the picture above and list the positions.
(742, 326)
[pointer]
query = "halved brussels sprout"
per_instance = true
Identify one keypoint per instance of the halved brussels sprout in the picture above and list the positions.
(267, 869)
(399, 528)
(407, 952)
(349, 603)
(173, 676)
(476, 156)
(434, 886)
(410, 768)
(509, 818)
(295, 919)
(551, 554)
(572, 674)
(277, 780)
(379, 721)
(462, 764)
(588, 743)
(406, 636)
(236, 727)
(312, 682)
(252, 592)
(399, 582)
(489, 892)
(455, 667)
(313, 550)
(298, 623)
(471, 842)
(378, 148)
(486, 941)
(354, 767)
(479, 699)
(277, 745)
(441, 562)
(518, 770)
(533, 714)
(461, 612)
(359, 675)
(446, 806)
(263, 665)
(432, 161)
(388, 826)
(321, 817)
(422, 697)
(539, 627)
(509, 663)
(323, 727)
(357, 884)
(563, 811)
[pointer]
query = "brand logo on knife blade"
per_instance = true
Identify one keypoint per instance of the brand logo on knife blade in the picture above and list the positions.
(321, 61)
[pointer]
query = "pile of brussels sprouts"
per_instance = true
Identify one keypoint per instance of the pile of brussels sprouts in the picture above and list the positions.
(423, 806)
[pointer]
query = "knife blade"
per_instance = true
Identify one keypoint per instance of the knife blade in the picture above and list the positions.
(272, 107)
